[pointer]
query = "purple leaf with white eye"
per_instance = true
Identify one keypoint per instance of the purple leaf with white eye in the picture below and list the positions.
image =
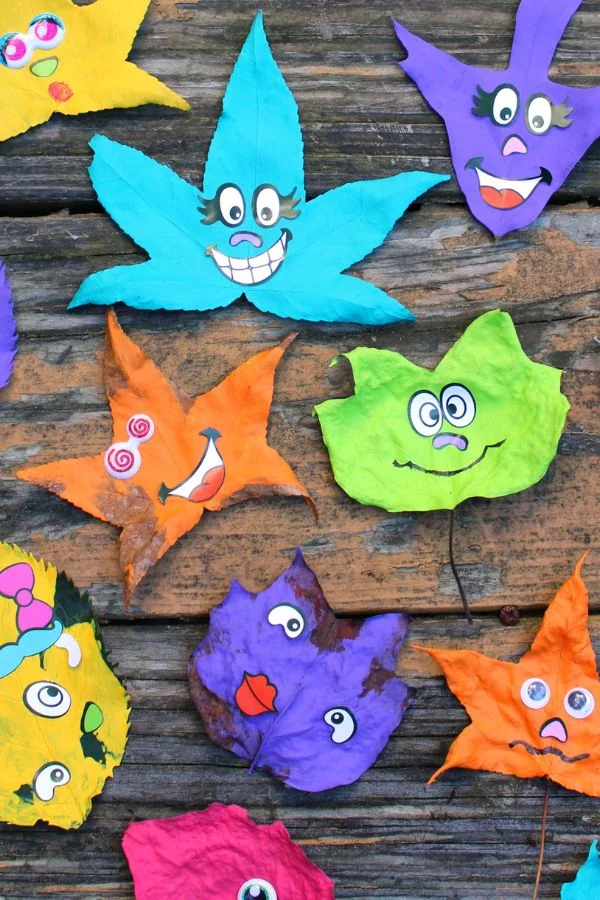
(8, 329)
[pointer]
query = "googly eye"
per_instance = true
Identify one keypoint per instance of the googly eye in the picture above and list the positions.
(140, 428)
(505, 105)
(257, 889)
(14, 51)
(231, 205)
(291, 619)
(122, 460)
(342, 722)
(267, 206)
(47, 699)
(50, 777)
(48, 31)
(539, 114)
(535, 693)
(458, 405)
(579, 703)
(425, 413)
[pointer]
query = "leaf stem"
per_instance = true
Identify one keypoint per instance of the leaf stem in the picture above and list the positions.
(542, 841)
(461, 590)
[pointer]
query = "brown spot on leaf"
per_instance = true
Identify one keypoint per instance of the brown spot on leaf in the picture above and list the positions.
(377, 678)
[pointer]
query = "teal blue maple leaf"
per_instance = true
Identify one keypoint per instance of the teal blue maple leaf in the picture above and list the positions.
(250, 231)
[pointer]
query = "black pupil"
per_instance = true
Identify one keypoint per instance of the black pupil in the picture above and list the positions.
(452, 409)
(57, 775)
(235, 213)
(577, 700)
(266, 214)
(294, 625)
(431, 414)
(337, 718)
(538, 121)
(255, 893)
(505, 114)
(52, 692)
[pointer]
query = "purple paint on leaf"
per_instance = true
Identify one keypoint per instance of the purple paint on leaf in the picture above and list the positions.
(283, 683)
(515, 135)
(8, 329)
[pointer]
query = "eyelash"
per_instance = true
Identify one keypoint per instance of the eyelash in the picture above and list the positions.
(483, 106)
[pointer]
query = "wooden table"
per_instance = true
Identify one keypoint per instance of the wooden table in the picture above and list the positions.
(471, 835)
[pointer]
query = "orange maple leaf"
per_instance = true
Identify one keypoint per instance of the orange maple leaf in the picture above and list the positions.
(173, 456)
(540, 716)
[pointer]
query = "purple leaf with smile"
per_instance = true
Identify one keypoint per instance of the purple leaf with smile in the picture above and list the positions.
(283, 683)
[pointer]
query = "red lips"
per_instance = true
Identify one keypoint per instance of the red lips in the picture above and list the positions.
(211, 484)
(256, 695)
(503, 199)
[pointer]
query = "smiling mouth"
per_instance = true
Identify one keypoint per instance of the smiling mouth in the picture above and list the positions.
(548, 751)
(506, 193)
(448, 473)
(253, 269)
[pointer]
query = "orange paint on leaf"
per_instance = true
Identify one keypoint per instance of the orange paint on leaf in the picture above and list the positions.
(60, 92)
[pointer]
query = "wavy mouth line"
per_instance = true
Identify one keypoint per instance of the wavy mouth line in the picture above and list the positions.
(253, 269)
(506, 193)
(450, 472)
(545, 751)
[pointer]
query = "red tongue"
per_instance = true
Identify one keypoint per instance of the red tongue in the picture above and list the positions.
(504, 199)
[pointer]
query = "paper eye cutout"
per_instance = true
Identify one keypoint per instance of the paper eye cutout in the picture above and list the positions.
(140, 428)
(291, 619)
(231, 205)
(123, 459)
(48, 31)
(47, 699)
(539, 114)
(343, 723)
(579, 703)
(535, 693)
(257, 889)
(505, 105)
(267, 206)
(49, 778)
(425, 413)
(14, 51)
(458, 405)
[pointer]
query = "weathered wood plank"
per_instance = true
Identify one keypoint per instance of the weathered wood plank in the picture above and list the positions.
(382, 837)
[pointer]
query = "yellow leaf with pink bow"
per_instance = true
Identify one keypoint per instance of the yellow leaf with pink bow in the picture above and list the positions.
(64, 715)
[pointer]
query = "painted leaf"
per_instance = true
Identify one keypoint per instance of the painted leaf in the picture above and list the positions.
(587, 883)
(484, 423)
(8, 329)
(64, 715)
(515, 134)
(281, 682)
(71, 60)
(250, 231)
(222, 853)
(172, 456)
(541, 715)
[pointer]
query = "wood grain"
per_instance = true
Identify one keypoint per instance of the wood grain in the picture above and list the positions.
(471, 835)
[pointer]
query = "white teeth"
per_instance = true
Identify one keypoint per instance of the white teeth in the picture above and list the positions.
(254, 269)
(523, 187)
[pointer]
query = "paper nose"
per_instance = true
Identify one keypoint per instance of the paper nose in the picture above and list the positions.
(554, 728)
(514, 145)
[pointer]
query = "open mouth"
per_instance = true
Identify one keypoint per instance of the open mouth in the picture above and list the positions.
(448, 473)
(256, 695)
(506, 193)
(548, 751)
(253, 269)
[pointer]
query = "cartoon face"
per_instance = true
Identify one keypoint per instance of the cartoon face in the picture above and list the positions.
(261, 647)
(540, 716)
(222, 853)
(58, 698)
(514, 134)
(485, 422)
(70, 56)
(252, 230)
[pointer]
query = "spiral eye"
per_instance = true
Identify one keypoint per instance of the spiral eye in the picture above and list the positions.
(425, 413)
(14, 52)
(291, 619)
(267, 206)
(52, 776)
(579, 703)
(505, 105)
(342, 722)
(458, 404)
(48, 31)
(535, 693)
(231, 205)
(257, 889)
(44, 698)
(539, 114)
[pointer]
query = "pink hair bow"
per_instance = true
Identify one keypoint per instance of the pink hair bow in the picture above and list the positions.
(17, 583)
